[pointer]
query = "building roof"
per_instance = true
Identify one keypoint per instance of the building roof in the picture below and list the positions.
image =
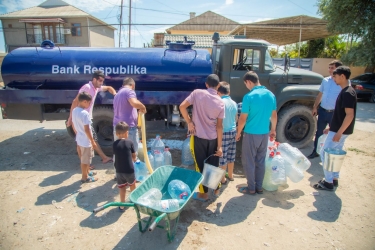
(201, 41)
(208, 21)
(285, 30)
(50, 9)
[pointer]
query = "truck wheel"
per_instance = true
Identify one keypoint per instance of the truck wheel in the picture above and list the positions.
(103, 126)
(296, 125)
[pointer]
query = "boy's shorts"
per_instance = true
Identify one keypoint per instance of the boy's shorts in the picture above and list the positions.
(229, 148)
(124, 180)
(86, 154)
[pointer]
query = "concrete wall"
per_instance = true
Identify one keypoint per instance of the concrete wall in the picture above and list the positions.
(77, 41)
(15, 35)
(101, 36)
(320, 65)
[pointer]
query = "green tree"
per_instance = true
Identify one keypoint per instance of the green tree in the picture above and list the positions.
(334, 47)
(274, 53)
(315, 48)
(357, 18)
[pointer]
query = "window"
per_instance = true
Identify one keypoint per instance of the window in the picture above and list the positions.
(246, 59)
(268, 64)
(76, 29)
(47, 31)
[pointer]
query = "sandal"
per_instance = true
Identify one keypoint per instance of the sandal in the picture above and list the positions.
(259, 191)
(92, 173)
(227, 176)
(225, 182)
(92, 167)
(321, 186)
(215, 194)
(195, 197)
(89, 179)
(121, 210)
(245, 190)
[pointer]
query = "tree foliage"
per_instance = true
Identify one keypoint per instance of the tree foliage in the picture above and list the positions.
(356, 18)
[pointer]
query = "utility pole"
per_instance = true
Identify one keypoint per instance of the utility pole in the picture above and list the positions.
(130, 18)
(119, 34)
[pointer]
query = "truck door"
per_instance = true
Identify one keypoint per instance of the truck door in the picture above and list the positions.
(243, 60)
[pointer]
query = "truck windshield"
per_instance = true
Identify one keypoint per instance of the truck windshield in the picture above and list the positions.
(268, 64)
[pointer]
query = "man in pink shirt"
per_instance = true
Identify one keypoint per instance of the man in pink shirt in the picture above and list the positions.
(93, 87)
(206, 126)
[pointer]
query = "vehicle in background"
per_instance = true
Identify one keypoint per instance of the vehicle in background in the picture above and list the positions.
(365, 86)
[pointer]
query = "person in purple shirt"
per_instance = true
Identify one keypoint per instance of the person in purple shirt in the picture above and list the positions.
(125, 105)
(207, 127)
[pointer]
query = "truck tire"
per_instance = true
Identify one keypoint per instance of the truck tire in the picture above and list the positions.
(103, 126)
(296, 125)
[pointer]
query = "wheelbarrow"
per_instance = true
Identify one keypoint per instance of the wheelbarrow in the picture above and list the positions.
(159, 179)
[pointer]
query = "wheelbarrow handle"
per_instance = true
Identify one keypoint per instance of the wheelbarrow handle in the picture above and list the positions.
(156, 221)
(112, 204)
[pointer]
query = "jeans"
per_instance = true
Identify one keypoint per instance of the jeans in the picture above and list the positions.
(324, 118)
(328, 175)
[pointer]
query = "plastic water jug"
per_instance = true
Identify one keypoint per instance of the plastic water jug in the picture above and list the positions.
(321, 142)
(140, 171)
(167, 157)
(293, 156)
(157, 144)
(169, 205)
(186, 157)
(158, 159)
(294, 173)
(278, 175)
(141, 155)
(267, 183)
(151, 159)
(179, 190)
(150, 197)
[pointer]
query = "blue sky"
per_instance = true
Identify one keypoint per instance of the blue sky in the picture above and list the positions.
(172, 12)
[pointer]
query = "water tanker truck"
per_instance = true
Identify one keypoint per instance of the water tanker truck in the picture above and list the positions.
(41, 82)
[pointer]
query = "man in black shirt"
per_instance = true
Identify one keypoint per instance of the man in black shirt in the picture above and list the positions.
(341, 126)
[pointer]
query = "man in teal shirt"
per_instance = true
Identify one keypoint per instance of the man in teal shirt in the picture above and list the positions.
(258, 109)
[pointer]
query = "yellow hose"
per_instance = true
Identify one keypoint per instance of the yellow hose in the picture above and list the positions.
(142, 124)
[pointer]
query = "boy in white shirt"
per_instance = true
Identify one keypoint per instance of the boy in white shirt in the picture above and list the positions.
(85, 141)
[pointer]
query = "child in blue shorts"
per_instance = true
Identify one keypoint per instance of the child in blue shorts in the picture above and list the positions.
(229, 131)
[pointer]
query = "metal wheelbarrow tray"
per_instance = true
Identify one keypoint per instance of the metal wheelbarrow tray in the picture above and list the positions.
(160, 179)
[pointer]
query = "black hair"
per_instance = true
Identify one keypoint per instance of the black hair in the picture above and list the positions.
(97, 74)
(337, 63)
(224, 88)
(343, 70)
(212, 80)
(128, 81)
(122, 127)
(251, 76)
(84, 96)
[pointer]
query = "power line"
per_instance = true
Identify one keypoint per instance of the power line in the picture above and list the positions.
(301, 7)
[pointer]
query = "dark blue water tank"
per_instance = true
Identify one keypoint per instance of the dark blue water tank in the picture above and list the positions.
(153, 69)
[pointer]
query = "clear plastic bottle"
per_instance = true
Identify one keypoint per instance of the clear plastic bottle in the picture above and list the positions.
(321, 142)
(150, 197)
(167, 157)
(179, 190)
(157, 144)
(294, 173)
(186, 157)
(169, 205)
(278, 176)
(267, 183)
(158, 159)
(151, 159)
(293, 156)
(141, 155)
(140, 171)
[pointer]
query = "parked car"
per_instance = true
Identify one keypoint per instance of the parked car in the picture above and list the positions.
(365, 86)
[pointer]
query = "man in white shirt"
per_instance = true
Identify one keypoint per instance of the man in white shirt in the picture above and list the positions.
(327, 96)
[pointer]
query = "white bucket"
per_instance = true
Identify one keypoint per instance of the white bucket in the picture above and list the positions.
(211, 175)
(333, 159)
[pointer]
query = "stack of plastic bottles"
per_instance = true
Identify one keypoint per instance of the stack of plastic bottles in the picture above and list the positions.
(283, 161)
(178, 191)
(159, 154)
(186, 157)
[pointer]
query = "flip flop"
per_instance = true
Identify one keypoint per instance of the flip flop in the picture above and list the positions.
(216, 195)
(121, 210)
(89, 179)
(195, 197)
(92, 173)
(245, 190)
(92, 167)
(227, 176)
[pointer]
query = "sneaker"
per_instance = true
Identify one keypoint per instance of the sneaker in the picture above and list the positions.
(313, 155)
(335, 183)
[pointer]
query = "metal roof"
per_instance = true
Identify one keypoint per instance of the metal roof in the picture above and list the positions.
(201, 41)
(285, 30)
(49, 10)
(208, 21)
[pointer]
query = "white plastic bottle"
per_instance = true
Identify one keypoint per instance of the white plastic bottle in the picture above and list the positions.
(169, 205)
(278, 176)
(321, 141)
(294, 173)
(267, 183)
(167, 157)
(158, 159)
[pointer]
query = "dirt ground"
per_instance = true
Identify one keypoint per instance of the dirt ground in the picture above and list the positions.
(44, 206)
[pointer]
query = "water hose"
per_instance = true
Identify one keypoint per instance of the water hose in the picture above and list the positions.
(142, 124)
